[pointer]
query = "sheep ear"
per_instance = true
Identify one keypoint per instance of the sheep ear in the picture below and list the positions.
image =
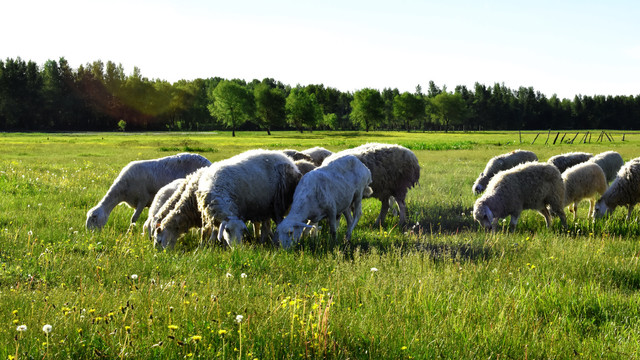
(489, 214)
(221, 230)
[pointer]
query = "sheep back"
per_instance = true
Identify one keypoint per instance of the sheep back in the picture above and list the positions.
(317, 154)
(500, 163)
(610, 162)
(567, 160)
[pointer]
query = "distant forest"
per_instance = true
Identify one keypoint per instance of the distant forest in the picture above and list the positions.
(101, 97)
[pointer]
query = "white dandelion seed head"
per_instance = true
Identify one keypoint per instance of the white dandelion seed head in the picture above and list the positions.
(30, 233)
(374, 269)
(47, 328)
(134, 276)
(229, 275)
(239, 318)
(21, 328)
(243, 275)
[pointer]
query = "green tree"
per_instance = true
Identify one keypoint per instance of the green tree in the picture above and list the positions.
(302, 109)
(409, 108)
(270, 106)
(367, 108)
(448, 109)
(232, 104)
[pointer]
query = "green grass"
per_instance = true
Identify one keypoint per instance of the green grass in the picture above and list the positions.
(445, 289)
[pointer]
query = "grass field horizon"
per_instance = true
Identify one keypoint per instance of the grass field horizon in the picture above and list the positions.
(442, 289)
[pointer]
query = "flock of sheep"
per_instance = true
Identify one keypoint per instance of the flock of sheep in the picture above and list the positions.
(295, 189)
(516, 181)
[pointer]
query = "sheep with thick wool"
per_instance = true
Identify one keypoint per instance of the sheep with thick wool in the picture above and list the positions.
(530, 185)
(304, 166)
(178, 214)
(610, 162)
(317, 154)
(138, 183)
(394, 170)
(159, 200)
(500, 163)
(296, 155)
(624, 191)
(332, 189)
(583, 181)
(567, 160)
(256, 186)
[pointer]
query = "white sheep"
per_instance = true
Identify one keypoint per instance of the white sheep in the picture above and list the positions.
(179, 213)
(296, 155)
(317, 154)
(567, 160)
(625, 190)
(139, 182)
(256, 185)
(332, 189)
(158, 201)
(530, 185)
(583, 181)
(500, 163)
(394, 170)
(610, 162)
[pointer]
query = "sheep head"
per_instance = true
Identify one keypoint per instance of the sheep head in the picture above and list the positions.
(232, 230)
(483, 215)
(96, 218)
(480, 185)
(290, 231)
(601, 209)
(165, 236)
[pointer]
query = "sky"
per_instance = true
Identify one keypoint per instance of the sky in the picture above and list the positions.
(557, 47)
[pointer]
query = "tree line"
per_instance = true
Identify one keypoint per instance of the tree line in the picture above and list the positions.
(101, 97)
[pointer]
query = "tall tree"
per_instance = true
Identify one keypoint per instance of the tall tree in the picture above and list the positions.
(232, 104)
(448, 109)
(302, 109)
(270, 106)
(409, 108)
(367, 108)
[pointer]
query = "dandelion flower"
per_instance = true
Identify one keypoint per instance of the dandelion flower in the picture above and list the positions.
(47, 328)
(222, 332)
(21, 328)
(196, 338)
(243, 275)
(239, 318)
(134, 276)
(374, 269)
(173, 327)
(403, 348)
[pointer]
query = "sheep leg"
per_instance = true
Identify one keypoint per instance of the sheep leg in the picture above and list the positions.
(513, 223)
(357, 212)
(547, 216)
(384, 208)
(333, 227)
(402, 210)
(136, 214)
(574, 206)
(629, 212)
(592, 207)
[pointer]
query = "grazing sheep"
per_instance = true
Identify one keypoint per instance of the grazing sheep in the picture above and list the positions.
(178, 214)
(326, 192)
(257, 185)
(625, 190)
(139, 182)
(297, 155)
(318, 154)
(158, 201)
(567, 160)
(500, 163)
(304, 166)
(530, 185)
(583, 181)
(394, 170)
(610, 162)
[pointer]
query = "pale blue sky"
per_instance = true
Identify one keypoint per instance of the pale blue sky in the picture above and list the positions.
(562, 47)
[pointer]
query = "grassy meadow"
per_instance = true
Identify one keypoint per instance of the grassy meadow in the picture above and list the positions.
(442, 289)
